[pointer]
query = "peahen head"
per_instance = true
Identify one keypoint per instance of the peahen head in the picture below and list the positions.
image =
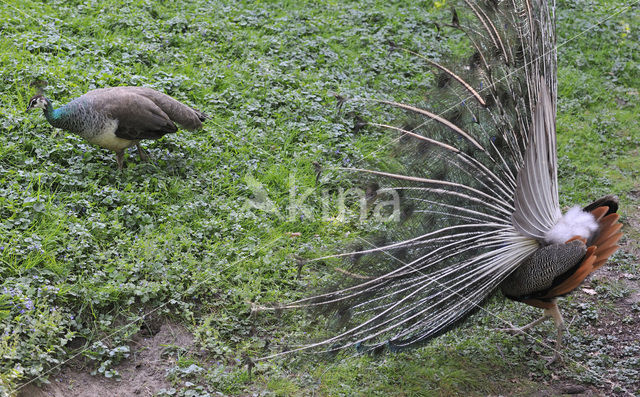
(38, 101)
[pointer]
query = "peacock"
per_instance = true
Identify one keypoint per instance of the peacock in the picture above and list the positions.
(473, 182)
(119, 117)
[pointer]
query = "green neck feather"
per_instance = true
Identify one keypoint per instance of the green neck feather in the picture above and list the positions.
(52, 115)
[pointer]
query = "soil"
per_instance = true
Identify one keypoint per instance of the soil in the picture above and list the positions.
(142, 374)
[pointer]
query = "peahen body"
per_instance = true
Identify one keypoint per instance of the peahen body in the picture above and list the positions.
(119, 117)
(473, 184)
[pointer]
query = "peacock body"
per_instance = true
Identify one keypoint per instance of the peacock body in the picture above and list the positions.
(475, 177)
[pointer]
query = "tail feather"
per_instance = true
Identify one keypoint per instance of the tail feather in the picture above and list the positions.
(458, 175)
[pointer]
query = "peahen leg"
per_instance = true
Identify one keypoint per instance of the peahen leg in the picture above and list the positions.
(120, 159)
(143, 155)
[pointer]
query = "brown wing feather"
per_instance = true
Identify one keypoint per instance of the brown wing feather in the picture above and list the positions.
(608, 227)
(144, 113)
(599, 212)
(181, 114)
(138, 117)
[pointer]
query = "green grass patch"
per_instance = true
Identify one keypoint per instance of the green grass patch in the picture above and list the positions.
(85, 249)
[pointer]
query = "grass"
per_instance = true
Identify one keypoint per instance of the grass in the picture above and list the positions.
(85, 250)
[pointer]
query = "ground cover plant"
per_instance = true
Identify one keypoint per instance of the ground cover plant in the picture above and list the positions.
(95, 264)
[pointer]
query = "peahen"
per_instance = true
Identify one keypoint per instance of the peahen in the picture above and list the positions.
(474, 183)
(119, 117)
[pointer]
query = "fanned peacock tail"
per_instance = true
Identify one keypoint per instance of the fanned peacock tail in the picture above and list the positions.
(476, 180)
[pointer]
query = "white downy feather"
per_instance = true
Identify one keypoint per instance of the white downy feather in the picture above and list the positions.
(574, 223)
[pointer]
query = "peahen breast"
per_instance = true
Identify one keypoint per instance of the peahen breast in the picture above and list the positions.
(81, 117)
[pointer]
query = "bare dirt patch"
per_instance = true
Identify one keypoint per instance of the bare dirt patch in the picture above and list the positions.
(142, 374)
